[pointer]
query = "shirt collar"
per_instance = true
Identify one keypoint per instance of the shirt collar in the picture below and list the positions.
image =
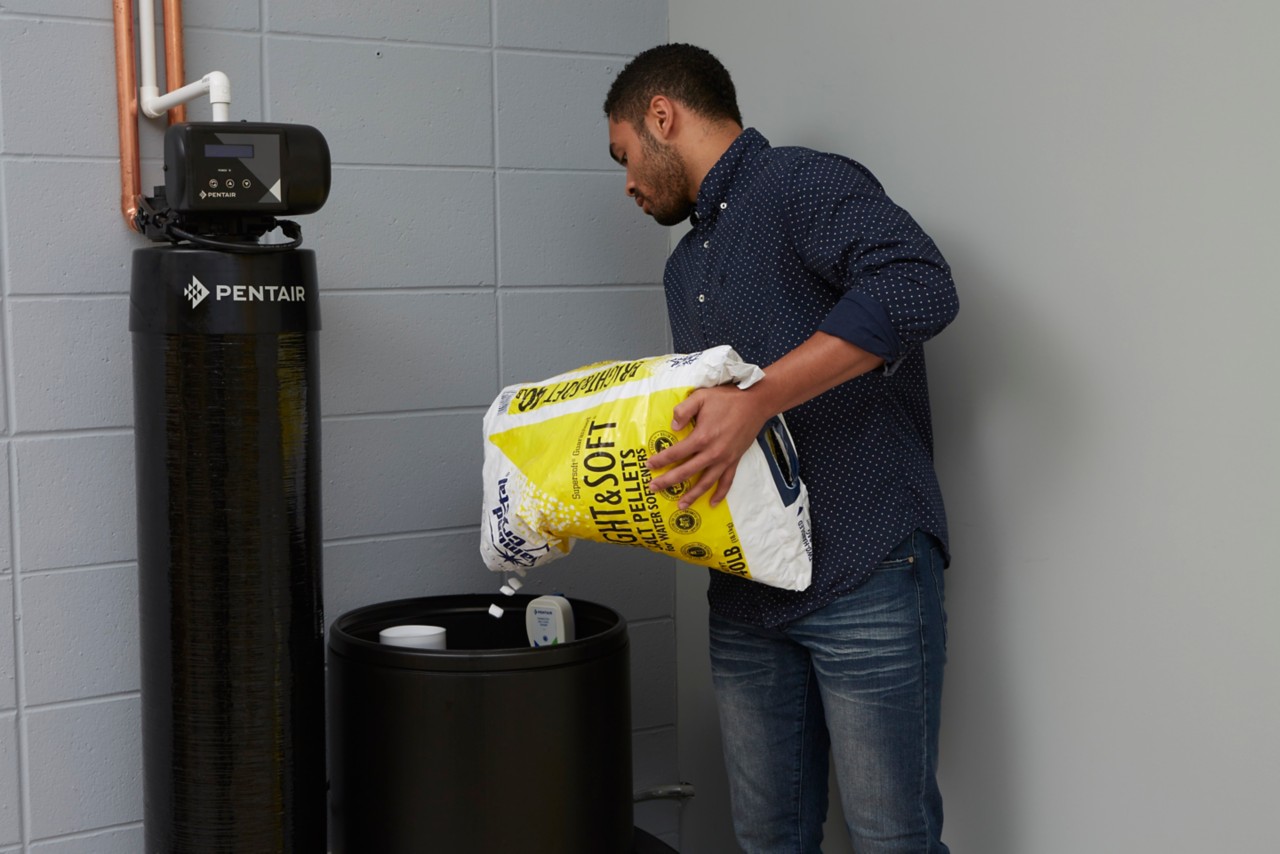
(716, 185)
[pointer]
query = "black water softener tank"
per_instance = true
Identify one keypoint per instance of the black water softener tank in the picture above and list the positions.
(487, 747)
(227, 430)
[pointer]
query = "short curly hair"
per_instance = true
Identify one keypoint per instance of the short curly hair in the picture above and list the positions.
(682, 72)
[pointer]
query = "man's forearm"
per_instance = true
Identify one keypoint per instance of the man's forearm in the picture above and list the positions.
(727, 419)
(820, 363)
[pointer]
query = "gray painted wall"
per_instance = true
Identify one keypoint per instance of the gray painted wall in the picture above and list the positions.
(476, 235)
(1103, 177)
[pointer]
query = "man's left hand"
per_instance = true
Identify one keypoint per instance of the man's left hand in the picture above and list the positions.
(726, 420)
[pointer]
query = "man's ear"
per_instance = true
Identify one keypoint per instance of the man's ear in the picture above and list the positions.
(661, 116)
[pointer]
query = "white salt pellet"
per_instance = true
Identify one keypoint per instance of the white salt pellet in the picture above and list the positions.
(516, 584)
(507, 590)
(495, 611)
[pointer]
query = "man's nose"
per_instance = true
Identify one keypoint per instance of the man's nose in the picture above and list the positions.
(631, 186)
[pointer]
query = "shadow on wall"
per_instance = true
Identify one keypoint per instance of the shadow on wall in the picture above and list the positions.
(1004, 419)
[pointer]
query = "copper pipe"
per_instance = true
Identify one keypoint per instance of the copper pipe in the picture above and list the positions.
(175, 74)
(127, 112)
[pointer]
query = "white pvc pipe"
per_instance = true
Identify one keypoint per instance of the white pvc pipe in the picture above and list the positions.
(148, 91)
(219, 95)
(215, 84)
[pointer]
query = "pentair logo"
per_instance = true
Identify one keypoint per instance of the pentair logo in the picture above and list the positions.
(196, 292)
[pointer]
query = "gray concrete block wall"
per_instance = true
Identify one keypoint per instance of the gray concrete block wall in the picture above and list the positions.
(477, 235)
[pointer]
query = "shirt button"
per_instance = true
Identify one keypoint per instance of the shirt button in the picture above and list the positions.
(706, 244)
(724, 205)
(702, 297)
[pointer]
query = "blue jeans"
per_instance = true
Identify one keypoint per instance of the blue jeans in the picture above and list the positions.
(861, 679)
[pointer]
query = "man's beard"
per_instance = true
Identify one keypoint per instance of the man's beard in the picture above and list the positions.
(665, 173)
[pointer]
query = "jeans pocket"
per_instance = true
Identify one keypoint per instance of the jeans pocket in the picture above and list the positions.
(896, 564)
(936, 578)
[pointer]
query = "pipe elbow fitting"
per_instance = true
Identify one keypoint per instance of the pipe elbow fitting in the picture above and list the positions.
(219, 87)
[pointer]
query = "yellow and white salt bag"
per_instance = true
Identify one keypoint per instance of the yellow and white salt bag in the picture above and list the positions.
(564, 459)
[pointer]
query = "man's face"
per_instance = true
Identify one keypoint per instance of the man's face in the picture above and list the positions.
(656, 175)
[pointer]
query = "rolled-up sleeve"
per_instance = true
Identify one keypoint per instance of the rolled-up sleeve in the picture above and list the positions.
(896, 290)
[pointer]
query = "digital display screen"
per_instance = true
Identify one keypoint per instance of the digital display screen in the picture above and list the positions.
(220, 150)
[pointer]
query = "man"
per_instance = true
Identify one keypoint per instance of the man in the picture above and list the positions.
(799, 261)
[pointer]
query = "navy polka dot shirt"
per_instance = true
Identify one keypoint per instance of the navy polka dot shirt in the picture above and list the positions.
(788, 241)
